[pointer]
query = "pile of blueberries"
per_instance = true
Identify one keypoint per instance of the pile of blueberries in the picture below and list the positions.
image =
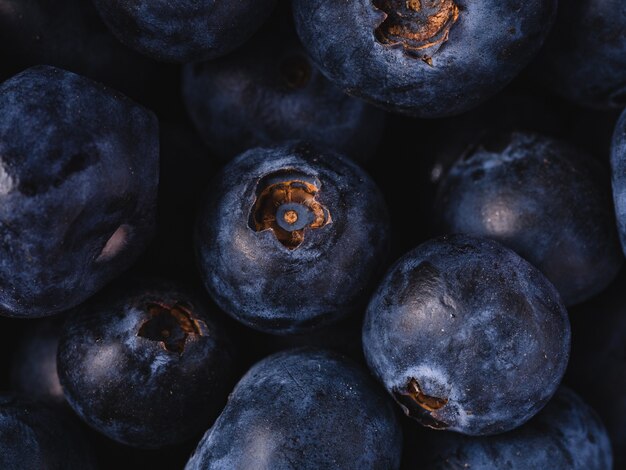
(312, 234)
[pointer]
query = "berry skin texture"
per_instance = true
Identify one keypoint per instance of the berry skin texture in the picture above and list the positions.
(145, 364)
(290, 239)
(618, 176)
(78, 182)
(566, 435)
(303, 409)
(467, 336)
(544, 199)
(585, 55)
(36, 437)
(184, 30)
(423, 58)
(268, 92)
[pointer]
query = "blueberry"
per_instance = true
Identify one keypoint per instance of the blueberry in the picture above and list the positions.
(427, 58)
(269, 91)
(618, 176)
(467, 336)
(566, 435)
(543, 198)
(585, 56)
(34, 370)
(290, 238)
(145, 364)
(78, 183)
(303, 409)
(35, 437)
(70, 34)
(185, 30)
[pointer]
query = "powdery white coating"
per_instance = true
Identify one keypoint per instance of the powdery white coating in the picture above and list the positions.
(262, 283)
(474, 325)
(618, 174)
(545, 199)
(81, 160)
(489, 44)
(566, 435)
(303, 409)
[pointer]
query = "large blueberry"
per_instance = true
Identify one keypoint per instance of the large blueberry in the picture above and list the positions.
(303, 409)
(184, 30)
(566, 435)
(269, 91)
(585, 55)
(543, 198)
(290, 238)
(427, 58)
(36, 437)
(78, 181)
(467, 336)
(145, 364)
(618, 176)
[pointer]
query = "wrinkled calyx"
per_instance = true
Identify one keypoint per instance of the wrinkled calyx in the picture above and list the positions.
(286, 204)
(420, 26)
(170, 325)
(418, 405)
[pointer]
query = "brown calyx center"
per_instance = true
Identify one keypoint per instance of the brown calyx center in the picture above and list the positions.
(420, 26)
(419, 406)
(169, 325)
(289, 208)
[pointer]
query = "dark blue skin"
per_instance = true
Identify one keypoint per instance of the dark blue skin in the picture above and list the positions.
(446, 57)
(598, 366)
(36, 437)
(566, 435)
(184, 30)
(78, 182)
(145, 364)
(467, 336)
(266, 277)
(269, 91)
(34, 369)
(543, 198)
(585, 56)
(70, 34)
(303, 409)
(618, 176)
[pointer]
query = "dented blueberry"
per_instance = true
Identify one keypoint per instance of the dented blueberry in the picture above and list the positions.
(566, 435)
(303, 409)
(426, 58)
(269, 92)
(186, 30)
(543, 198)
(145, 364)
(78, 181)
(290, 239)
(467, 336)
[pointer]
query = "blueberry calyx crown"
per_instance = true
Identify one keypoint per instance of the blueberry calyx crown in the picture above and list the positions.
(286, 204)
(420, 26)
(419, 406)
(170, 325)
